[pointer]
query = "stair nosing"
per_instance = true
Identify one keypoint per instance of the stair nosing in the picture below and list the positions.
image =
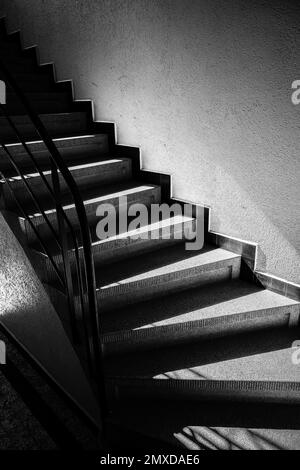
(97, 199)
(117, 336)
(203, 268)
(97, 163)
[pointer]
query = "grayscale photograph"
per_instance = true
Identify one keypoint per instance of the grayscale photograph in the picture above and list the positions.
(149, 229)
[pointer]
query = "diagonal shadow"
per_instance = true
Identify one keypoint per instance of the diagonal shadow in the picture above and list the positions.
(171, 418)
(185, 357)
(168, 307)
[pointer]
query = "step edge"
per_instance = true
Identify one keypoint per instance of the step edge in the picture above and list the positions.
(114, 337)
(207, 267)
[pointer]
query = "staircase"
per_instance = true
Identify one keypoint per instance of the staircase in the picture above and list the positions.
(197, 345)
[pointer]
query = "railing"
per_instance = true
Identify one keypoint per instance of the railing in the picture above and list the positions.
(76, 272)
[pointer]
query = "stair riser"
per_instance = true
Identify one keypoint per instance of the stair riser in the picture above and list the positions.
(85, 178)
(73, 152)
(167, 284)
(34, 83)
(147, 198)
(41, 106)
(12, 56)
(127, 247)
(149, 338)
(57, 125)
(18, 67)
(210, 391)
(45, 270)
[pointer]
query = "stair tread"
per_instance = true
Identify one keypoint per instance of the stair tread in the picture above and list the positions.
(29, 75)
(42, 102)
(97, 195)
(176, 220)
(75, 151)
(80, 166)
(22, 118)
(11, 59)
(169, 222)
(214, 301)
(39, 94)
(60, 142)
(223, 438)
(120, 238)
(160, 262)
(57, 123)
(260, 357)
(212, 426)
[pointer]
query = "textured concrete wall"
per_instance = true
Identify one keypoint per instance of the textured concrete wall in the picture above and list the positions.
(26, 311)
(204, 87)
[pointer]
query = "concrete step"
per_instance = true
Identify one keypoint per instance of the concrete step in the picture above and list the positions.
(74, 150)
(125, 246)
(11, 56)
(92, 198)
(162, 272)
(42, 102)
(58, 125)
(222, 438)
(21, 65)
(146, 239)
(194, 426)
(199, 314)
(89, 175)
(32, 82)
(254, 367)
(8, 48)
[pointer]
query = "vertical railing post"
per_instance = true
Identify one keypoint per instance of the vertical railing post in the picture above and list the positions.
(65, 252)
(87, 279)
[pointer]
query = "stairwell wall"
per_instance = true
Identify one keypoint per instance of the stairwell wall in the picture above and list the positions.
(27, 313)
(204, 87)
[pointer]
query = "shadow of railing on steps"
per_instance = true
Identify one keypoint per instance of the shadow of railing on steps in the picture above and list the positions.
(74, 266)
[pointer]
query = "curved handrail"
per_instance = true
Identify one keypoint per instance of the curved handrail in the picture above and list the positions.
(83, 224)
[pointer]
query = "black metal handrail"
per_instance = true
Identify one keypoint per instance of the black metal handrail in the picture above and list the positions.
(85, 269)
